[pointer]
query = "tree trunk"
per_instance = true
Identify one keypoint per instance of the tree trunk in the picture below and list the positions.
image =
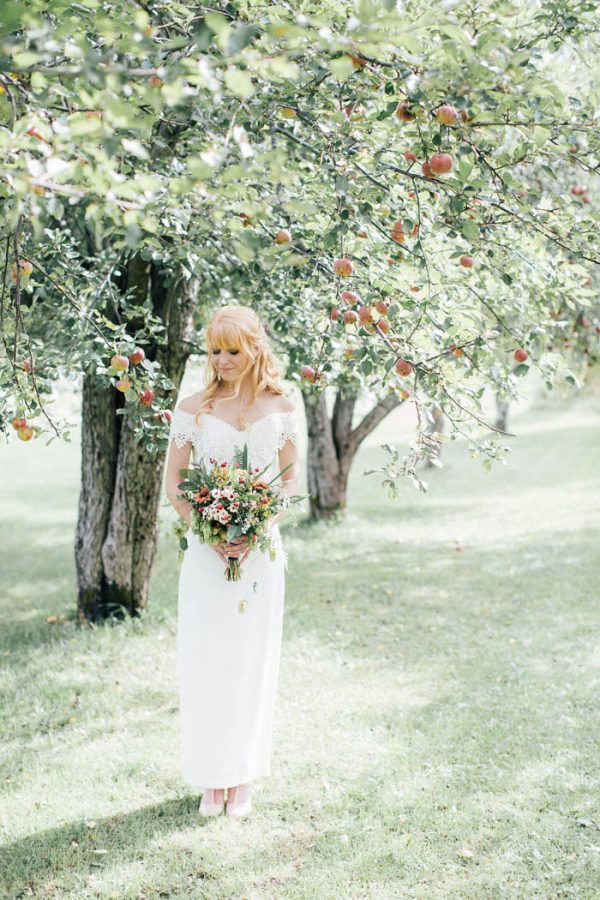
(501, 413)
(332, 446)
(435, 423)
(121, 484)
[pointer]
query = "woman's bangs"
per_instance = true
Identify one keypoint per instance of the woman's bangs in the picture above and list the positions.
(226, 336)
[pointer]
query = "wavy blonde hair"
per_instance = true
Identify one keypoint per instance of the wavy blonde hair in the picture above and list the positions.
(239, 328)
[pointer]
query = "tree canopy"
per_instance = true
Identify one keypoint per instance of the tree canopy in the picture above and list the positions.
(406, 192)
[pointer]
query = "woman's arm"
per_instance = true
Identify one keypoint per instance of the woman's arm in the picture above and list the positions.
(290, 480)
(177, 459)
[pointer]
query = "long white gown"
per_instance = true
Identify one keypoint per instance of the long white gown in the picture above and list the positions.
(227, 660)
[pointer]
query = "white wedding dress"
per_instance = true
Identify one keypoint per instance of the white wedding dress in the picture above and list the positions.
(227, 660)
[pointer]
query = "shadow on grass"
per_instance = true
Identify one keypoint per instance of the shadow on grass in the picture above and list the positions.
(50, 855)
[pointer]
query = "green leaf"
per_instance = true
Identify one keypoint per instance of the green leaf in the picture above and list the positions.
(240, 37)
(239, 83)
(341, 67)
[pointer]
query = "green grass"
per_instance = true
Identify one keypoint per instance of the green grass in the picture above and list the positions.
(437, 724)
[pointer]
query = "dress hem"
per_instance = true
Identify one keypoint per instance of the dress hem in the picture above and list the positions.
(216, 783)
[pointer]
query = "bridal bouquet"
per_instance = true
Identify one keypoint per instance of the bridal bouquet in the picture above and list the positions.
(229, 501)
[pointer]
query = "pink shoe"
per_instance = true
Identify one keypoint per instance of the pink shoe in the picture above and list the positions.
(242, 808)
(208, 806)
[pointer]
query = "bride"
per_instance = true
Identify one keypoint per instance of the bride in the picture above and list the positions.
(227, 663)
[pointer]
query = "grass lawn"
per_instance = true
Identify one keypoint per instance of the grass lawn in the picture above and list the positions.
(437, 730)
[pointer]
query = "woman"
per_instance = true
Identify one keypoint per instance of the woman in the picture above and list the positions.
(227, 662)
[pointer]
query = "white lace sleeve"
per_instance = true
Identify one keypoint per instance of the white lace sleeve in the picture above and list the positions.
(289, 428)
(183, 428)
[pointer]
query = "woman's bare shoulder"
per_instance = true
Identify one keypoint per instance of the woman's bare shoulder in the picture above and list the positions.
(192, 403)
(279, 402)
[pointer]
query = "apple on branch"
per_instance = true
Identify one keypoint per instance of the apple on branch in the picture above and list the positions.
(119, 362)
(440, 163)
(403, 112)
(308, 373)
(466, 262)
(25, 433)
(446, 114)
(343, 267)
(146, 396)
(403, 367)
(283, 236)
(521, 354)
(137, 356)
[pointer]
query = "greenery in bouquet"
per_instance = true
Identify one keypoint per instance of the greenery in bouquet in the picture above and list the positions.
(231, 500)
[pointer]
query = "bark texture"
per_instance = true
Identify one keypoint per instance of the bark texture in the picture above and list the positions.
(332, 446)
(121, 482)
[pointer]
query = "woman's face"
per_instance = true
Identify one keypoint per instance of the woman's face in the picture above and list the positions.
(230, 362)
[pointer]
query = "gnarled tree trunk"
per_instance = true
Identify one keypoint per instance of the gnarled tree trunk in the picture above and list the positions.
(332, 446)
(121, 481)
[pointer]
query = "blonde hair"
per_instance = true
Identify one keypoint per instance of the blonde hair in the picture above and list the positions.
(239, 328)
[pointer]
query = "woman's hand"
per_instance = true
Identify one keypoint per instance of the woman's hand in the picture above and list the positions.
(239, 548)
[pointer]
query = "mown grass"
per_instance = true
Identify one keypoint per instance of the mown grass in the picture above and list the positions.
(437, 725)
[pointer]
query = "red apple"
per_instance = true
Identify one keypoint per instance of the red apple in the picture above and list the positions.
(403, 367)
(343, 267)
(577, 190)
(467, 262)
(382, 307)
(119, 362)
(123, 385)
(33, 132)
(349, 297)
(308, 373)
(403, 112)
(351, 317)
(155, 82)
(426, 169)
(440, 163)
(383, 325)
(137, 356)
(365, 314)
(586, 199)
(18, 422)
(397, 232)
(521, 354)
(409, 156)
(283, 236)
(146, 396)
(164, 415)
(334, 314)
(446, 114)
(26, 366)
(25, 433)
(404, 393)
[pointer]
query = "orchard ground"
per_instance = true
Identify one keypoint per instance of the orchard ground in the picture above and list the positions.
(437, 731)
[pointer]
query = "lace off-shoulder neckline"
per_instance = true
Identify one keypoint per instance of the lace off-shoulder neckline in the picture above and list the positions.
(278, 412)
